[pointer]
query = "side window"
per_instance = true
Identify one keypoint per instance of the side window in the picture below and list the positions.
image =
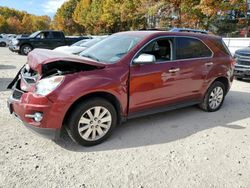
(161, 49)
(187, 48)
(43, 35)
(56, 35)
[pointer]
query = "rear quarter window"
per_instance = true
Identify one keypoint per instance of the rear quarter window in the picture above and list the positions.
(187, 48)
(222, 46)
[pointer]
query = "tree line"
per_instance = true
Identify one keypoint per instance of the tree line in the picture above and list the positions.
(110, 16)
(20, 22)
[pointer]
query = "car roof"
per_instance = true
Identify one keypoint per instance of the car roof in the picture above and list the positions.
(153, 34)
(189, 30)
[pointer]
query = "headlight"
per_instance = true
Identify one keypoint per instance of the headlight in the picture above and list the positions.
(15, 42)
(47, 85)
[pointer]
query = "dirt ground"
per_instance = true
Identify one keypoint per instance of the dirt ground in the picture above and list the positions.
(181, 148)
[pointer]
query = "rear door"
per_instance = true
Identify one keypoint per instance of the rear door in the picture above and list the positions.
(195, 61)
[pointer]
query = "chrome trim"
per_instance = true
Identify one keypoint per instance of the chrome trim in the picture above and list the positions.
(209, 64)
(242, 68)
(240, 59)
(242, 56)
(174, 70)
(165, 37)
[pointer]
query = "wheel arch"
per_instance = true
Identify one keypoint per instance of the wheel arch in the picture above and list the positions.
(105, 95)
(26, 43)
(224, 81)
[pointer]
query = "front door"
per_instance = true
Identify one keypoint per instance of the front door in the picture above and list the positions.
(154, 84)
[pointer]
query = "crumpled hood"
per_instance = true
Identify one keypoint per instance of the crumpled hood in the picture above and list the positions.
(70, 49)
(38, 57)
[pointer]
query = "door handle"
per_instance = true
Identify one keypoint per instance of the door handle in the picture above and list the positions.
(174, 70)
(209, 64)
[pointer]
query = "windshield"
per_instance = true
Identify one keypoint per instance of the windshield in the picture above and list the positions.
(34, 34)
(111, 49)
(80, 43)
(92, 42)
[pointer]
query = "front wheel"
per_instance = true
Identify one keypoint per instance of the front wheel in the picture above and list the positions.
(25, 49)
(92, 121)
(214, 97)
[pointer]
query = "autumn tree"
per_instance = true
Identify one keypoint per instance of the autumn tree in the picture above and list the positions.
(15, 21)
(63, 20)
(3, 25)
(14, 25)
(27, 24)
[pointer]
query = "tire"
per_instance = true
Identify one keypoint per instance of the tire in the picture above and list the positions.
(25, 49)
(87, 130)
(3, 44)
(214, 97)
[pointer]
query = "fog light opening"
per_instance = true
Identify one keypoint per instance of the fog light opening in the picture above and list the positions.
(38, 116)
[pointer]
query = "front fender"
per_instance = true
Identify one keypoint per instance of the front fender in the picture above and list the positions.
(78, 85)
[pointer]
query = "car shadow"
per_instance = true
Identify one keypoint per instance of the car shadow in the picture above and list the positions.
(4, 83)
(246, 80)
(170, 126)
(7, 67)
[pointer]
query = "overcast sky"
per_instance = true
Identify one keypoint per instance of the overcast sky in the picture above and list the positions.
(38, 7)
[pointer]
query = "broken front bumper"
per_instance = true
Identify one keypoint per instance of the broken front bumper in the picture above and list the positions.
(25, 105)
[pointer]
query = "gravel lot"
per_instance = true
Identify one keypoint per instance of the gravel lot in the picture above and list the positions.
(181, 148)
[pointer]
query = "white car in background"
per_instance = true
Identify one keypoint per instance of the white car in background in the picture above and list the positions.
(80, 46)
(4, 41)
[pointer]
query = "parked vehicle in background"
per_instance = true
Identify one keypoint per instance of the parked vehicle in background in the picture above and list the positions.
(47, 39)
(22, 35)
(3, 41)
(80, 46)
(126, 75)
(242, 67)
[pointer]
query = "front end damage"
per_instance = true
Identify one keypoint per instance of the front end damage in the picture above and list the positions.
(30, 100)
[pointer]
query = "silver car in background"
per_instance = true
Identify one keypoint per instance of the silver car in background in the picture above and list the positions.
(80, 46)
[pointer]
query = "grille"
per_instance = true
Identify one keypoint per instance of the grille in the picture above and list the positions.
(29, 80)
(17, 94)
(241, 62)
(243, 54)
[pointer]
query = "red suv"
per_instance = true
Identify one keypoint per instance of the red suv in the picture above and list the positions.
(128, 74)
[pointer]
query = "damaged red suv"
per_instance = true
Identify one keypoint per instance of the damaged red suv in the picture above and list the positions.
(128, 74)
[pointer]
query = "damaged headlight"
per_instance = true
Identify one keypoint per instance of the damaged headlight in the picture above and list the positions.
(47, 85)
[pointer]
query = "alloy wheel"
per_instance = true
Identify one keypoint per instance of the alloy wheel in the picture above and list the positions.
(216, 97)
(94, 123)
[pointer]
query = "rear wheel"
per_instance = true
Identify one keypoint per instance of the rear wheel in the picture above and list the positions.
(214, 97)
(92, 121)
(25, 49)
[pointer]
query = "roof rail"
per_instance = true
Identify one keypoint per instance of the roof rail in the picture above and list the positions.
(188, 30)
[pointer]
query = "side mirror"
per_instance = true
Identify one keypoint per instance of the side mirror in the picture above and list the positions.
(144, 59)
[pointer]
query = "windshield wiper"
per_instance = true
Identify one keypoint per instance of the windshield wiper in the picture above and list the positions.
(91, 57)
